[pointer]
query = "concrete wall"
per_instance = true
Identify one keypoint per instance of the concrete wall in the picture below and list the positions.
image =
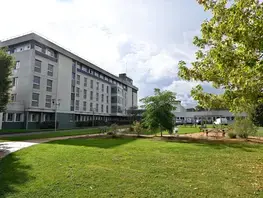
(129, 98)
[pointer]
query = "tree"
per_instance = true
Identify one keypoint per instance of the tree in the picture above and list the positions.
(230, 55)
(6, 65)
(158, 110)
(257, 115)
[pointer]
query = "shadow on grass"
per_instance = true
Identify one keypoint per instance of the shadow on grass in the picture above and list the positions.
(216, 144)
(12, 172)
(105, 143)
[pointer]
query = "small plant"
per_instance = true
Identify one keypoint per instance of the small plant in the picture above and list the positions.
(114, 130)
(244, 127)
(232, 135)
(137, 127)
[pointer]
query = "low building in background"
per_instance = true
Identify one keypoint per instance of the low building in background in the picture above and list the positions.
(49, 79)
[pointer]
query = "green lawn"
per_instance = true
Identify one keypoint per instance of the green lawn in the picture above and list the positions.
(51, 134)
(132, 168)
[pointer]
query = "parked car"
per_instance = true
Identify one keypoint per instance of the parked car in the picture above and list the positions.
(221, 121)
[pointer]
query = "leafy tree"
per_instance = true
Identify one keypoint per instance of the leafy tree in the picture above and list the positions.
(6, 65)
(158, 110)
(230, 55)
(257, 115)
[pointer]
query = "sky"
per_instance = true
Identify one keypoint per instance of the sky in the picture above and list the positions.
(143, 38)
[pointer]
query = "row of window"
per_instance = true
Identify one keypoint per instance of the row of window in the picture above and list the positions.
(78, 81)
(91, 108)
(99, 75)
(13, 117)
(91, 95)
(38, 68)
(46, 51)
(36, 83)
(35, 100)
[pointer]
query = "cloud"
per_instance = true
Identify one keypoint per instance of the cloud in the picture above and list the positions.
(146, 39)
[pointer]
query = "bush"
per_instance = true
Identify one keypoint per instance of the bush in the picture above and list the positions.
(48, 125)
(232, 135)
(114, 130)
(137, 127)
(244, 127)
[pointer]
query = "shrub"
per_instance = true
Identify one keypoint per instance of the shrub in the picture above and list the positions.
(232, 135)
(48, 125)
(244, 127)
(114, 130)
(137, 127)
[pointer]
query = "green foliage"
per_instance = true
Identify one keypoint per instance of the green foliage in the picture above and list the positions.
(257, 115)
(229, 55)
(232, 135)
(244, 127)
(114, 130)
(6, 66)
(137, 128)
(158, 110)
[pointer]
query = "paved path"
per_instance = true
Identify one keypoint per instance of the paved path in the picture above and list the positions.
(10, 147)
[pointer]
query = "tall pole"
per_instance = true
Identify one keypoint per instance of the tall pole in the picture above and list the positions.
(92, 117)
(56, 116)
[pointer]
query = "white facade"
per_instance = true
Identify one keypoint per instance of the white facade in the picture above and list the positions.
(46, 73)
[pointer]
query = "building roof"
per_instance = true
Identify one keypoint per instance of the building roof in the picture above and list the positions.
(40, 39)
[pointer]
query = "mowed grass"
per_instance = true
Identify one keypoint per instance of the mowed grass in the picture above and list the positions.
(132, 168)
(51, 134)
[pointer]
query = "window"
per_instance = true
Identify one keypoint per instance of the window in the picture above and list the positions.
(106, 78)
(10, 117)
(18, 117)
(107, 99)
(77, 105)
(50, 52)
(85, 94)
(96, 74)
(97, 96)
(72, 105)
(91, 95)
(101, 108)
(107, 109)
(97, 107)
(110, 80)
(50, 70)
(73, 76)
(4, 117)
(91, 106)
(107, 89)
(102, 97)
(13, 97)
(72, 89)
(34, 117)
(38, 48)
(77, 92)
(102, 87)
(84, 106)
(91, 84)
(85, 82)
(35, 99)
(36, 82)
(37, 67)
(17, 65)
(78, 79)
(49, 85)
(48, 101)
(98, 84)
(14, 82)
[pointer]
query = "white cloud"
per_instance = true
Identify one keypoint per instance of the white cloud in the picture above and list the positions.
(119, 36)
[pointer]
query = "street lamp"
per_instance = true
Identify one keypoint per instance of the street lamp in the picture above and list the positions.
(56, 102)
(93, 110)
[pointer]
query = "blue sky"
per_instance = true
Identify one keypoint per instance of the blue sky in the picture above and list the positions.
(146, 38)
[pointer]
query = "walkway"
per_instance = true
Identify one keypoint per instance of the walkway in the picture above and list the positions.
(10, 147)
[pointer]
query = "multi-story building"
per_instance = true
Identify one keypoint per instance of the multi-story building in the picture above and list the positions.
(48, 79)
